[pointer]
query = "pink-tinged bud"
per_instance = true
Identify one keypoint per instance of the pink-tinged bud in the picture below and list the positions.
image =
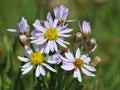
(24, 40)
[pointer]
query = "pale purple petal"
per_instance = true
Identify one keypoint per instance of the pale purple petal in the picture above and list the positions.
(40, 28)
(51, 46)
(69, 56)
(37, 72)
(49, 67)
(86, 26)
(65, 31)
(55, 23)
(26, 65)
(90, 68)
(55, 46)
(39, 41)
(12, 30)
(61, 43)
(50, 19)
(64, 35)
(27, 69)
(70, 21)
(47, 48)
(86, 60)
(77, 55)
(88, 73)
(23, 59)
(77, 75)
(46, 24)
(65, 59)
(68, 67)
(42, 71)
(28, 49)
(83, 56)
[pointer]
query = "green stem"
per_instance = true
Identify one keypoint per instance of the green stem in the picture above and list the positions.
(17, 79)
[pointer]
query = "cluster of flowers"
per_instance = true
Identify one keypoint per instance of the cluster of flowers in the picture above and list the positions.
(46, 45)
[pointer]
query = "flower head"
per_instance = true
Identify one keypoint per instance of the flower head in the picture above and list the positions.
(61, 13)
(35, 59)
(77, 63)
(50, 35)
(23, 26)
(86, 29)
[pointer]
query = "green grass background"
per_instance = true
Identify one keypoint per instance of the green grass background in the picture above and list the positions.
(104, 16)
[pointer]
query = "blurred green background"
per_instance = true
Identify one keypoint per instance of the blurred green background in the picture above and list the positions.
(104, 16)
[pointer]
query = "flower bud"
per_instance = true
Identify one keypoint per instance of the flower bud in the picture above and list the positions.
(95, 61)
(24, 39)
(86, 30)
(78, 37)
(91, 43)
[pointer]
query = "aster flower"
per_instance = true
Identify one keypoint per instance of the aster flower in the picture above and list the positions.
(85, 29)
(50, 35)
(22, 25)
(35, 59)
(61, 13)
(77, 63)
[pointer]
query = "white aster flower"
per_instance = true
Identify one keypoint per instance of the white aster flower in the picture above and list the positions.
(50, 35)
(35, 59)
(77, 63)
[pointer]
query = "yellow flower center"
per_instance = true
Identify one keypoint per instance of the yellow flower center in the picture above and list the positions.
(78, 63)
(60, 21)
(51, 34)
(37, 58)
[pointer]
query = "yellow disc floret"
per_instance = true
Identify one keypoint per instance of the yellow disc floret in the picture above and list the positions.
(60, 21)
(78, 63)
(37, 58)
(51, 34)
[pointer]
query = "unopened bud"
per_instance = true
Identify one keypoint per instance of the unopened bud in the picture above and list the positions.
(91, 43)
(24, 39)
(78, 37)
(86, 34)
(95, 61)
